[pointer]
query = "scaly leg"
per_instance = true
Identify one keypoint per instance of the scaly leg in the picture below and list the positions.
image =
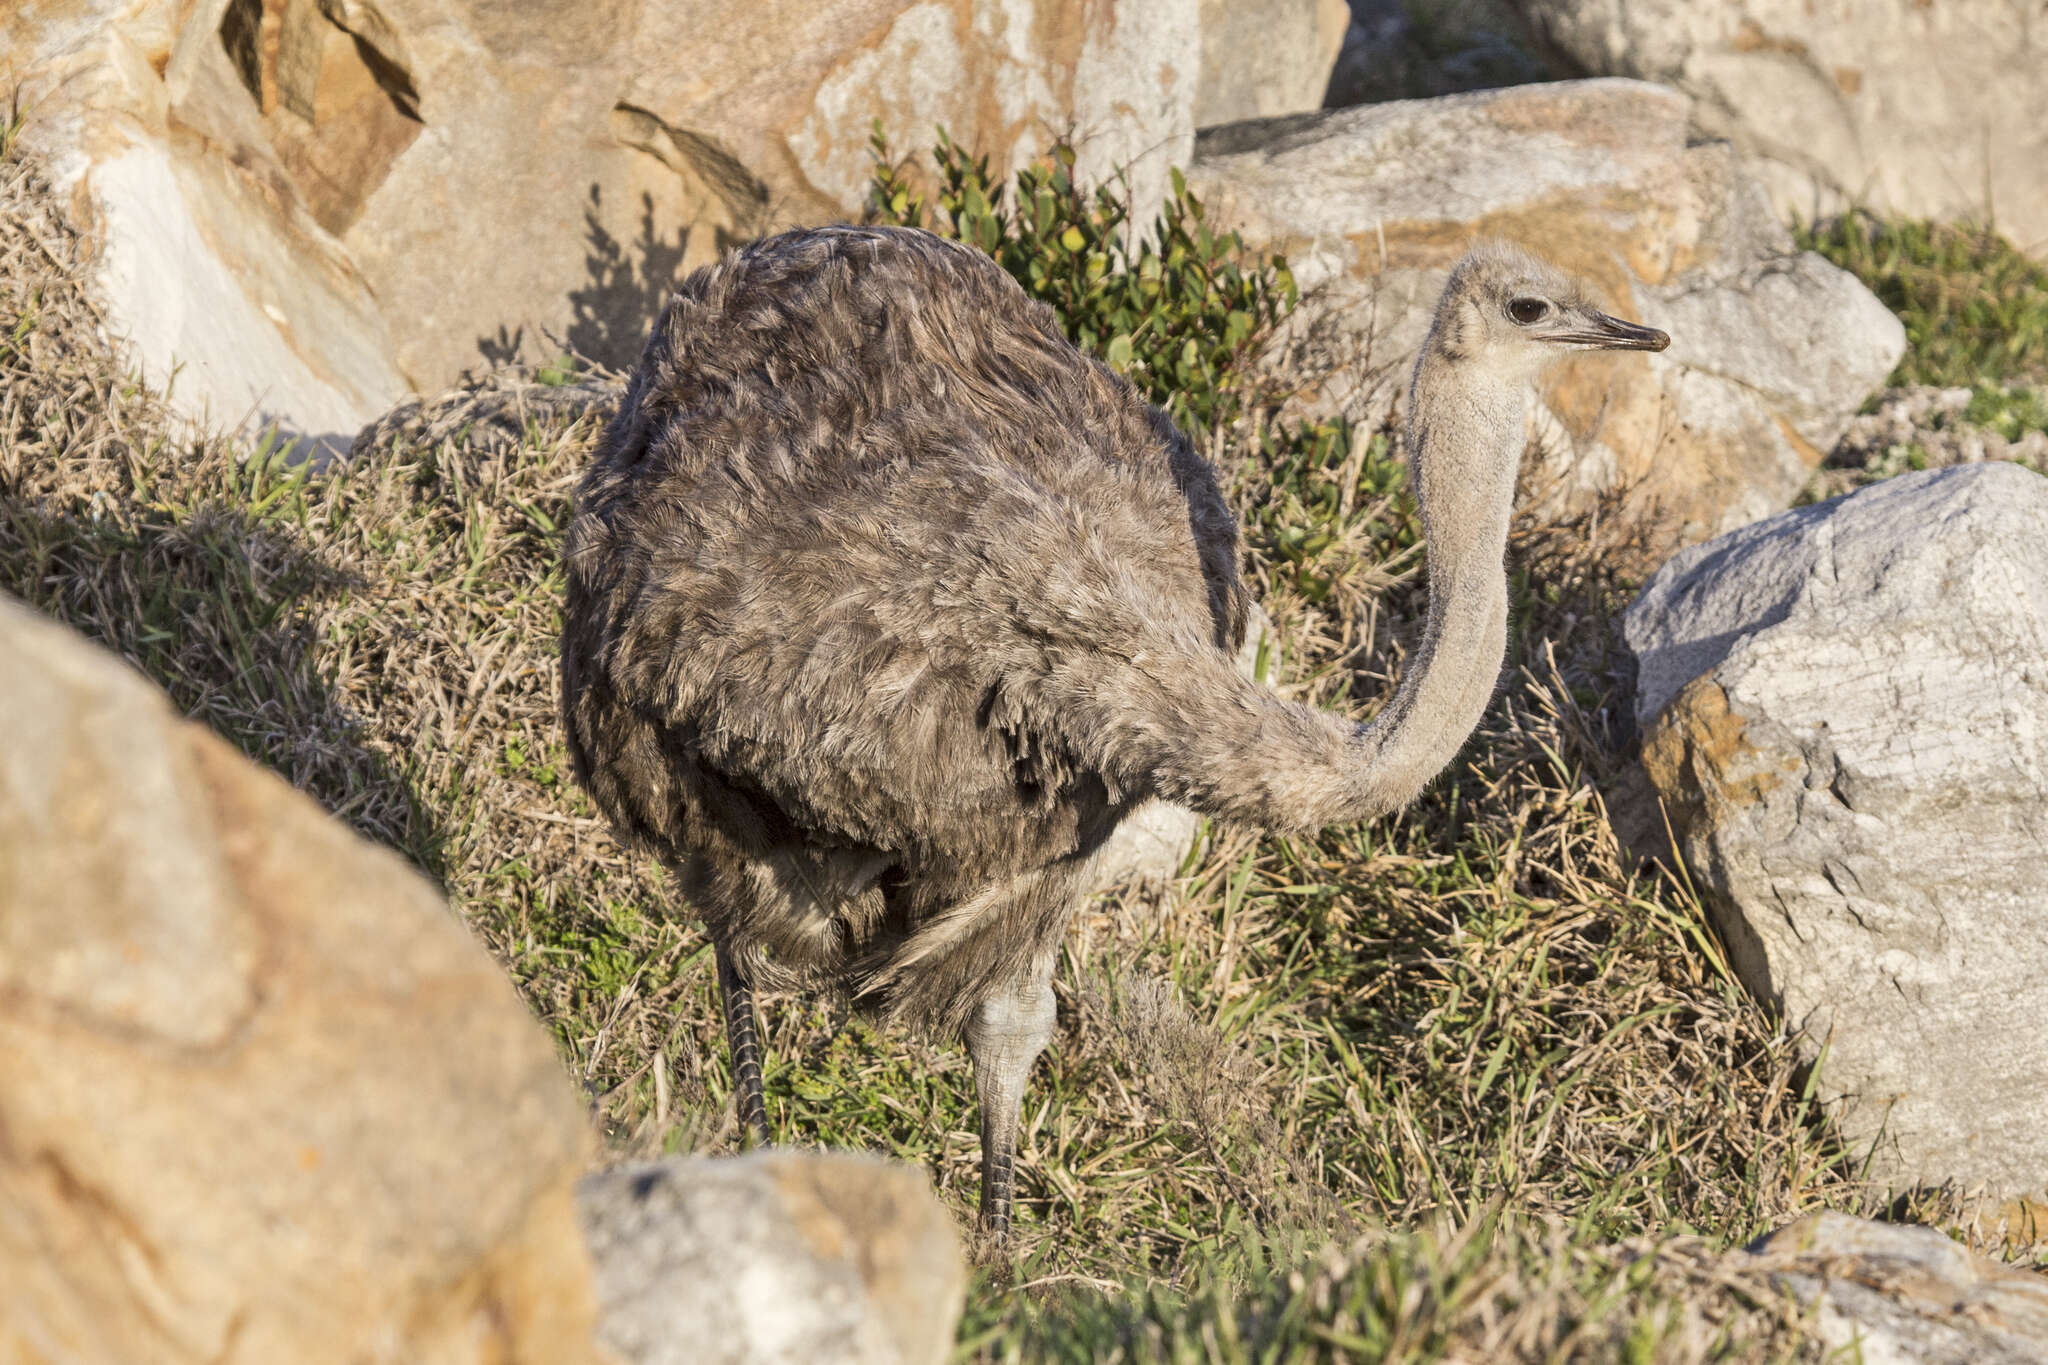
(746, 1049)
(1005, 1036)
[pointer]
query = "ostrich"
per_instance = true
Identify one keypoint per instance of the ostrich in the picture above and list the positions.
(886, 604)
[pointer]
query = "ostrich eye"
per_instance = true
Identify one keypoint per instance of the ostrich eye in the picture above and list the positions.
(1526, 311)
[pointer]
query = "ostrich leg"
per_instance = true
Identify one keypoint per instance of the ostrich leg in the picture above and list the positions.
(1008, 1031)
(738, 997)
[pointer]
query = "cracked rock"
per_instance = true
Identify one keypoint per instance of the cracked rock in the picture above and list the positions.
(1844, 710)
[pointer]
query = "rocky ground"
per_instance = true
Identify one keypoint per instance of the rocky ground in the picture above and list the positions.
(1922, 426)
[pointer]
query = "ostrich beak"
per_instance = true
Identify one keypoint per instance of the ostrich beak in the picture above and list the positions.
(1596, 330)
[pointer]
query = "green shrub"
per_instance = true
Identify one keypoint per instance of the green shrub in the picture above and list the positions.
(1177, 310)
(2009, 411)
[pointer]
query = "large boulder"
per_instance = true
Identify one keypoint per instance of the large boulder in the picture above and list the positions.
(1845, 712)
(1771, 349)
(777, 1258)
(261, 1098)
(1933, 110)
(313, 205)
(1265, 59)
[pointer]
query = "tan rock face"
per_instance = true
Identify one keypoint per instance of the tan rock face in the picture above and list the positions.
(1259, 60)
(211, 260)
(261, 1099)
(1771, 350)
(779, 1256)
(1932, 110)
(314, 204)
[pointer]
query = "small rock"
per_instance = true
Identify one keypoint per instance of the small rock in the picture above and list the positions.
(775, 1258)
(1889, 1294)
(1920, 426)
(1845, 712)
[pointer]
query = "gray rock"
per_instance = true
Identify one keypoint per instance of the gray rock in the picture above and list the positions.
(1265, 59)
(1772, 350)
(1889, 1294)
(1930, 110)
(1845, 712)
(776, 1258)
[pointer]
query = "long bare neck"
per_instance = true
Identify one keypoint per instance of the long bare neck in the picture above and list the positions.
(1466, 436)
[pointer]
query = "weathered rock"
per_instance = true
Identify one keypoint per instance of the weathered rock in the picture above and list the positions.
(210, 262)
(261, 1098)
(1266, 59)
(1887, 1294)
(1933, 110)
(314, 204)
(1845, 712)
(776, 1258)
(1771, 349)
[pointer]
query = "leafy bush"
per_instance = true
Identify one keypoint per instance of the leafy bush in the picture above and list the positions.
(1177, 310)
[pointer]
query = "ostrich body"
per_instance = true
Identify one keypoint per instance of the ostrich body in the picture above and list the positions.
(886, 604)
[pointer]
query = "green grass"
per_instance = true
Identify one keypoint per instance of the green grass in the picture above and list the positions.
(1975, 311)
(2009, 411)
(1975, 307)
(1463, 1083)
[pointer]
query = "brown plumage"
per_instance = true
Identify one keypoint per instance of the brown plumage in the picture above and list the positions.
(886, 605)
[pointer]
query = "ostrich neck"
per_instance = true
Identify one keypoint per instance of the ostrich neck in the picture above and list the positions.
(1467, 443)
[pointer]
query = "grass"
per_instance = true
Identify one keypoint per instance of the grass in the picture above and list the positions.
(1975, 310)
(1461, 1084)
(1975, 307)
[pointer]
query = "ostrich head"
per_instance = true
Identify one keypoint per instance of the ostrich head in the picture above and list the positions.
(1503, 316)
(1506, 312)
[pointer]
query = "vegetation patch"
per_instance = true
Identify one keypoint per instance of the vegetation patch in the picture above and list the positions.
(1975, 307)
(1175, 309)
(1973, 384)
